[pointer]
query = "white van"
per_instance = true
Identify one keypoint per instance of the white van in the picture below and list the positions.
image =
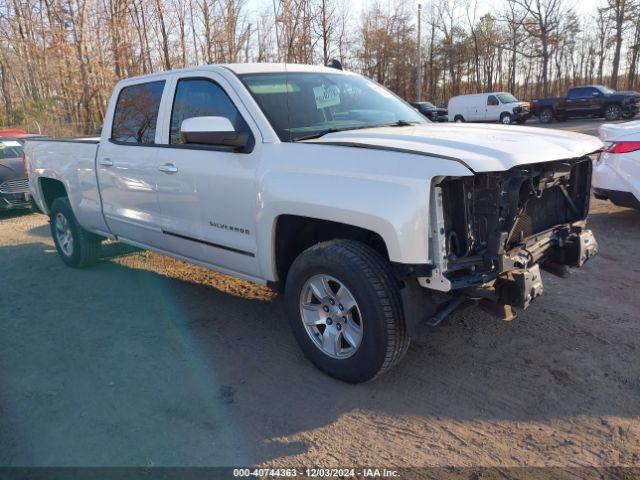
(488, 107)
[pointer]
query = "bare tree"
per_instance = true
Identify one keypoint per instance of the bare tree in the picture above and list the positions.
(542, 23)
(59, 59)
(618, 12)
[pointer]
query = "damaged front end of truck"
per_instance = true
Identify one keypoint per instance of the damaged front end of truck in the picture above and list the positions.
(492, 233)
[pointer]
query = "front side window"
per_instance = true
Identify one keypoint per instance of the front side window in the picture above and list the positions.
(302, 104)
(507, 98)
(136, 114)
(199, 97)
(491, 100)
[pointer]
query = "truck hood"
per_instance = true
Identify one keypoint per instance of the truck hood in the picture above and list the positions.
(480, 147)
(11, 168)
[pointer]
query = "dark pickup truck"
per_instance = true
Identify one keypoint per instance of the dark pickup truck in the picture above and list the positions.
(429, 110)
(586, 101)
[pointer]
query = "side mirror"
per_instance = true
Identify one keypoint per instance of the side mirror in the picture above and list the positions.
(212, 131)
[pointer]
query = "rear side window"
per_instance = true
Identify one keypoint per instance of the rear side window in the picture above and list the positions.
(136, 115)
(199, 97)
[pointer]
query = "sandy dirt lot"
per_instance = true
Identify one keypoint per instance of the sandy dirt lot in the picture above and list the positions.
(144, 360)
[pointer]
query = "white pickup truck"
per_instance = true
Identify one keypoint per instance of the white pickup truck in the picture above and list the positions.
(326, 186)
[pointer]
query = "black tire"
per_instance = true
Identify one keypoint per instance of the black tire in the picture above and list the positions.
(546, 115)
(85, 248)
(613, 112)
(506, 118)
(368, 276)
(458, 119)
(628, 116)
(521, 121)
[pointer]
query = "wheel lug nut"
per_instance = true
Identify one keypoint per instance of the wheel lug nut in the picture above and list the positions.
(338, 326)
(344, 319)
(332, 301)
(329, 321)
(325, 308)
(340, 306)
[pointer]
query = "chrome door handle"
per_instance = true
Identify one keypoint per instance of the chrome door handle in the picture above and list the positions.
(106, 162)
(168, 168)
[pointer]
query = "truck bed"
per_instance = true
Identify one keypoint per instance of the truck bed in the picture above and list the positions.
(71, 161)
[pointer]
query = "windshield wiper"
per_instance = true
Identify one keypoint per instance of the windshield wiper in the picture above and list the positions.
(319, 134)
(322, 133)
(399, 123)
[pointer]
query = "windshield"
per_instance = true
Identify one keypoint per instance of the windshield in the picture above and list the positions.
(301, 105)
(10, 149)
(605, 90)
(506, 98)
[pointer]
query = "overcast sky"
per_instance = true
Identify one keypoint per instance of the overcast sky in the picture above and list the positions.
(583, 7)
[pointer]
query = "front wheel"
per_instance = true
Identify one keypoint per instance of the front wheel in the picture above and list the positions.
(77, 247)
(506, 119)
(344, 307)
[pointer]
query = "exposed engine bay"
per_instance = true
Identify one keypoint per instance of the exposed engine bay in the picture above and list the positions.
(493, 231)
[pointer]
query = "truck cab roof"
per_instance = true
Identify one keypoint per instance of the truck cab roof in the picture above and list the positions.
(245, 68)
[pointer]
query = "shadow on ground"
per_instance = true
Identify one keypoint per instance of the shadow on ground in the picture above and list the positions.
(143, 360)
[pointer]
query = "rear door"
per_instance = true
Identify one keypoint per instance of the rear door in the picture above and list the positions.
(127, 164)
(208, 194)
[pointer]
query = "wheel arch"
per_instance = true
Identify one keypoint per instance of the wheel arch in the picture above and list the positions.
(50, 189)
(293, 234)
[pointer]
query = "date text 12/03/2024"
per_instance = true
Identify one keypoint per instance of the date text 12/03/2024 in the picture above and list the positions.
(317, 472)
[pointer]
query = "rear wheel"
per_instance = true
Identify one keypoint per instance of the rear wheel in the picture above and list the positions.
(546, 115)
(77, 247)
(344, 307)
(458, 119)
(613, 112)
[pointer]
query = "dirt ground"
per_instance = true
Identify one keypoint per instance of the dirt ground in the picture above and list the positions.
(144, 360)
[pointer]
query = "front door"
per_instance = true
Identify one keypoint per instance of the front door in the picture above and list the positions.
(492, 111)
(208, 194)
(577, 102)
(126, 165)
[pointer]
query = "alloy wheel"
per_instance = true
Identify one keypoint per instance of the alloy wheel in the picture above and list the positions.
(331, 316)
(64, 234)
